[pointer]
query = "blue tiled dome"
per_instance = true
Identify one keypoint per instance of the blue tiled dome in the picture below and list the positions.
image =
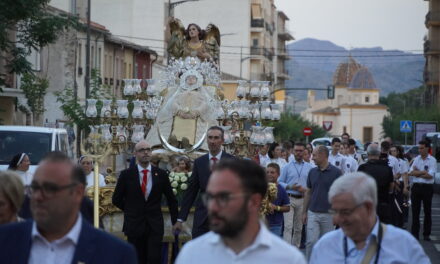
(363, 79)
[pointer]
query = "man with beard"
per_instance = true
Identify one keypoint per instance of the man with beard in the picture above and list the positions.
(59, 234)
(233, 198)
(363, 238)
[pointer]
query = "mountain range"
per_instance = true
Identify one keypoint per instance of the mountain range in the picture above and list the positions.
(315, 61)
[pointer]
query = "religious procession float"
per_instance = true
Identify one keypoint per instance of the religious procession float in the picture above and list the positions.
(173, 113)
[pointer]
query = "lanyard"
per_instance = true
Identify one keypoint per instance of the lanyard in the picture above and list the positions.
(379, 242)
(299, 172)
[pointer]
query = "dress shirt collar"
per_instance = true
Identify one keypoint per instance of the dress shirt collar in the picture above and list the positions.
(140, 168)
(263, 239)
(218, 156)
(73, 234)
(337, 154)
(374, 234)
(263, 156)
(296, 162)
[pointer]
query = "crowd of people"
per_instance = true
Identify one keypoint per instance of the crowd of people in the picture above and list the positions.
(338, 205)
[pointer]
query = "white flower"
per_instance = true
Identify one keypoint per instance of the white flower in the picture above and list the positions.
(176, 178)
(174, 184)
(174, 191)
(183, 179)
(171, 179)
(183, 186)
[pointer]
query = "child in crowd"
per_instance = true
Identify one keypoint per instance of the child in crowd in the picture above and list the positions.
(280, 205)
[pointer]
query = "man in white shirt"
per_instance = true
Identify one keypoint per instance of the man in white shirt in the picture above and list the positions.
(423, 170)
(262, 156)
(335, 158)
(362, 237)
(58, 234)
(393, 162)
(233, 197)
(350, 164)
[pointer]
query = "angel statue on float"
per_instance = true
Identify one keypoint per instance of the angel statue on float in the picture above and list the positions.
(194, 42)
(192, 96)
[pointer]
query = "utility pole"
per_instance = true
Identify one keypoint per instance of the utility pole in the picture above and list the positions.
(87, 76)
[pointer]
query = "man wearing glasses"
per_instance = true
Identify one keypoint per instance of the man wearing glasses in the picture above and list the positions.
(233, 198)
(138, 194)
(58, 234)
(362, 237)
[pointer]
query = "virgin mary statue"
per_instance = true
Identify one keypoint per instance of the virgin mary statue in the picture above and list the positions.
(189, 106)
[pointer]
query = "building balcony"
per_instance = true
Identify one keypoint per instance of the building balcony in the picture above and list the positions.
(432, 19)
(283, 55)
(430, 49)
(283, 75)
(257, 23)
(285, 35)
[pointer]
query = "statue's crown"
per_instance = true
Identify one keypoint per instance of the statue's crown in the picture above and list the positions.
(177, 67)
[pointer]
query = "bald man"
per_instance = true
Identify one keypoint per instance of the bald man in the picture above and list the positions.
(138, 194)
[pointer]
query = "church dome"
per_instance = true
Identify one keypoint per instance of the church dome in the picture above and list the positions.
(363, 79)
(345, 72)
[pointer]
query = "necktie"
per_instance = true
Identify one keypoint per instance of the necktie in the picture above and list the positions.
(144, 182)
(214, 160)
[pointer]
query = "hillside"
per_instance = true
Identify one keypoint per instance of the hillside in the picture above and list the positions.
(315, 61)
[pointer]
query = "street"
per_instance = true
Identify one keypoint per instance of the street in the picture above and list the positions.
(432, 248)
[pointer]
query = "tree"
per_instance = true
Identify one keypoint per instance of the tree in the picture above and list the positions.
(34, 27)
(34, 89)
(406, 106)
(290, 127)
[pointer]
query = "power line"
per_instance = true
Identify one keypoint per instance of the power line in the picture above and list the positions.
(286, 49)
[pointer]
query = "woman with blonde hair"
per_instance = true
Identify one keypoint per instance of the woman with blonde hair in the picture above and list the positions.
(11, 197)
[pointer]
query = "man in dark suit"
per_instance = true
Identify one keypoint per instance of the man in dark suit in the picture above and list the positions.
(59, 233)
(198, 182)
(138, 194)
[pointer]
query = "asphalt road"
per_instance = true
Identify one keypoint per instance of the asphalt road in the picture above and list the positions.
(432, 248)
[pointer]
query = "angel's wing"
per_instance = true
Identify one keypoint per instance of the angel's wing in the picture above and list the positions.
(212, 40)
(175, 44)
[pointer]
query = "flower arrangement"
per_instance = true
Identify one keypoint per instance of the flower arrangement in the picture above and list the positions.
(179, 182)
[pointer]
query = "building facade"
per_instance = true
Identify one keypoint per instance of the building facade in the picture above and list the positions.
(63, 64)
(432, 53)
(355, 108)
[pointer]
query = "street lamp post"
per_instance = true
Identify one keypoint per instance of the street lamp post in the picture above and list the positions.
(174, 4)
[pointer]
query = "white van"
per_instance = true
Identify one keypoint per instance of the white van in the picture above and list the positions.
(35, 141)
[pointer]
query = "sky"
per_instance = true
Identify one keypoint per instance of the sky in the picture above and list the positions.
(391, 24)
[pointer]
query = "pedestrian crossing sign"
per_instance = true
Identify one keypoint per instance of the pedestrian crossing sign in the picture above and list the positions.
(405, 126)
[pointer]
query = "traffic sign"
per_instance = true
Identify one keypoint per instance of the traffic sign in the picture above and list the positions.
(405, 126)
(307, 131)
(328, 125)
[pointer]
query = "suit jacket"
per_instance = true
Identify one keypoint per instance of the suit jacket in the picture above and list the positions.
(141, 215)
(94, 245)
(197, 183)
(86, 210)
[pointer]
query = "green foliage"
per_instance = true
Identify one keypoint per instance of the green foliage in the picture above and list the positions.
(406, 106)
(291, 126)
(35, 27)
(34, 89)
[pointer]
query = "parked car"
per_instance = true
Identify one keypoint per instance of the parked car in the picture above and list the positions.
(35, 141)
(325, 141)
(411, 151)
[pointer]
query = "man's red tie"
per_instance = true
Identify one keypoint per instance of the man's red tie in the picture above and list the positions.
(144, 182)
(214, 160)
